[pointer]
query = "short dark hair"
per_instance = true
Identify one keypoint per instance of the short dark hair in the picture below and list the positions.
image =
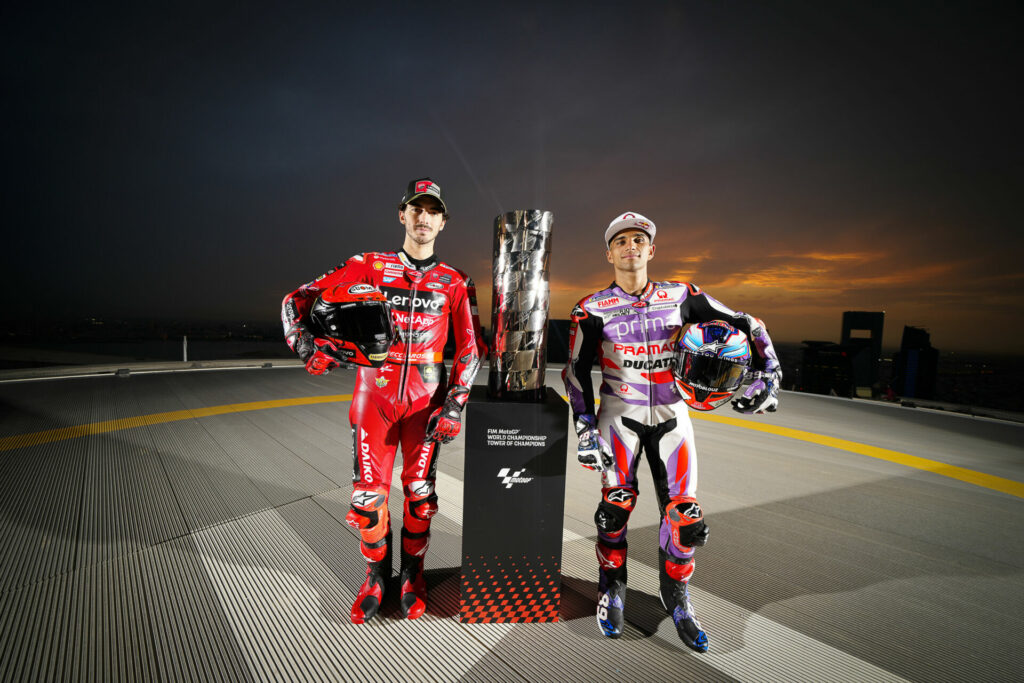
(401, 207)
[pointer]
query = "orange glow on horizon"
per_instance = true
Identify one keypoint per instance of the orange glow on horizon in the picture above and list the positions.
(801, 294)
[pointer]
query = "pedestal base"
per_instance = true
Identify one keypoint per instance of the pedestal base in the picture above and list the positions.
(513, 502)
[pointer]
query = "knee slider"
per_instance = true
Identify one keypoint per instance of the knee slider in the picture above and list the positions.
(420, 499)
(686, 521)
(614, 509)
(369, 513)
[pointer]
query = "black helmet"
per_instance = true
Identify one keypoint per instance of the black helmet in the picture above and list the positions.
(356, 317)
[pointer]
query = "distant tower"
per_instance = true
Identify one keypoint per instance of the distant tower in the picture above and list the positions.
(825, 368)
(916, 365)
(864, 352)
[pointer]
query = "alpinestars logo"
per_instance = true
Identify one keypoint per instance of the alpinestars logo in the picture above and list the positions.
(713, 347)
(508, 477)
(692, 511)
(619, 496)
(363, 499)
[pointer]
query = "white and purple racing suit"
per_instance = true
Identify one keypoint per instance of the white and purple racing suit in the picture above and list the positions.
(642, 410)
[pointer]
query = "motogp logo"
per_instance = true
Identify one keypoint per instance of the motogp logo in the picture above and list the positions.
(508, 478)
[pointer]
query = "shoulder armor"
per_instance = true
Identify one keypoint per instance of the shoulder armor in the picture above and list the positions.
(446, 268)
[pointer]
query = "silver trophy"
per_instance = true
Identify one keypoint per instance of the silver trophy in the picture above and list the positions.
(519, 305)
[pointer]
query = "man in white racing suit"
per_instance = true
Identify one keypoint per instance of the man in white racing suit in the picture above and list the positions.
(629, 328)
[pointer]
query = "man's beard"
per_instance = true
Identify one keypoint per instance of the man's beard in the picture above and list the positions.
(419, 238)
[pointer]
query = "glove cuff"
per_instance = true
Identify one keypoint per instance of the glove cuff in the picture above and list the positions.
(293, 334)
(584, 423)
(457, 397)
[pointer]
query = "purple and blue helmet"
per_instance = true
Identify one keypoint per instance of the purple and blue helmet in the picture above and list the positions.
(710, 363)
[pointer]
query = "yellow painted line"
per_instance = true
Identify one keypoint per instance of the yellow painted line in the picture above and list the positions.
(35, 438)
(1014, 488)
(988, 481)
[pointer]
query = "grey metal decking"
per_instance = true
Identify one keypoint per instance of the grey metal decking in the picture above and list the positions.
(214, 548)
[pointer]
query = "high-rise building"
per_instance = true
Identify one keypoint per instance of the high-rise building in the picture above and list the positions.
(916, 365)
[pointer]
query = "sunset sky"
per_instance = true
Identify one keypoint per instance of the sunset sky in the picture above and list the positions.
(799, 158)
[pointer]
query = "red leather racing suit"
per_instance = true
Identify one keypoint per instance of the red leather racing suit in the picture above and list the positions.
(392, 403)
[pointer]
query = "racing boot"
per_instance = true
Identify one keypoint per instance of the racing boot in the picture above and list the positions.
(371, 593)
(674, 574)
(414, 585)
(611, 588)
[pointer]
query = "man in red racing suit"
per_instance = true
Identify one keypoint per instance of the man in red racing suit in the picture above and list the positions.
(408, 400)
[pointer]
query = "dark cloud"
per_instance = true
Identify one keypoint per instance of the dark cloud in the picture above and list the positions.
(201, 161)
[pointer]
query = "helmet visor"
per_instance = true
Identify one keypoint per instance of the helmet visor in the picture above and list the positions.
(710, 372)
(364, 322)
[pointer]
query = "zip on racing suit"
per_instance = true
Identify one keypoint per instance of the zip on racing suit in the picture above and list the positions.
(392, 404)
(643, 412)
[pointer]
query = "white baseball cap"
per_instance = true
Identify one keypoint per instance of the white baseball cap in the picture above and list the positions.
(628, 220)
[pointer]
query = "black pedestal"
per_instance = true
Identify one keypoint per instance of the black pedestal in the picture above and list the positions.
(513, 503)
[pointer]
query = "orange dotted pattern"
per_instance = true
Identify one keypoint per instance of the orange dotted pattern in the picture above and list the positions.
(509, 590)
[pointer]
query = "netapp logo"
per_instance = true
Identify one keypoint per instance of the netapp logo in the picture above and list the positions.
(508, 478)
